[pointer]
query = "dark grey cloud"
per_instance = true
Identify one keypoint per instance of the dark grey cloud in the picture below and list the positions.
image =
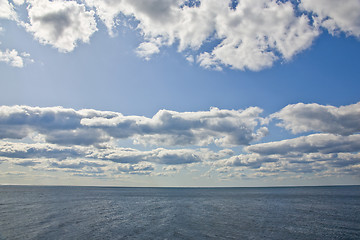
(27, 163)
(58, 20)
(13, 132)
(80, 136)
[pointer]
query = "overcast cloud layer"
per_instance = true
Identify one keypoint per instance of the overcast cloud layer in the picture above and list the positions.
(85, 142)
(249, 34)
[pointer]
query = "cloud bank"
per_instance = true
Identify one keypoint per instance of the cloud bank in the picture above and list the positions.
(90, 127)
(86, 142)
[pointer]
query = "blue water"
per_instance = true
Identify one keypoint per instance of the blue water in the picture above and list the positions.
(32, 212)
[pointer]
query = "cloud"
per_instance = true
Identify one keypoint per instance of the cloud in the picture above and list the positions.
(146, 49)
(247, 34)
(60, 23)
(166, 128)
(252, 161)
(77, 136)
(140, 169)
(13, 58)
(323, 143)
(85, 142)
(39, 150)
(321, 154)
(56, 124)
(209, 61)
(28, 151)
(106, 162)
(285, 165)
(159, 155)
(335, 15)
(251, 34)
(302, 117)
(7, 10)
(222, 127)
(18, 2)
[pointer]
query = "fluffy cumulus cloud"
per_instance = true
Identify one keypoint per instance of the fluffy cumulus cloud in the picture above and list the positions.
(335, 15)
(247, 34)
(11, 57)
(60, 23)
(252, 34)
(14, 59)
(7, 10)
(302, 117)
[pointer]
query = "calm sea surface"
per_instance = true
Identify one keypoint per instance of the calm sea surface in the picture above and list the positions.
(29, 212)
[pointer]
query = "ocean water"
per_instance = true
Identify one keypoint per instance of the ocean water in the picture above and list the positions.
(33, 212)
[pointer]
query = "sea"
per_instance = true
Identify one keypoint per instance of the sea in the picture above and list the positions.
(64, 212)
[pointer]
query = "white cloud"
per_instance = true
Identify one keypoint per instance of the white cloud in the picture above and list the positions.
(252, 36)
(335, 152)
(60, 23)
(7, 10)
(84, 142)
(249, 34)
(19, 2)
(302, 117)
(222, 127)
(107, 162)
(146, 49)
(322, 143)
(90, 127)
(336, 15)
(190, 59)
(19, 150)
(209, 61)
(318, 154)
(13, 58)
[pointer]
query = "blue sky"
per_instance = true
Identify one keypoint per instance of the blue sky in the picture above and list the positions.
(264, 94)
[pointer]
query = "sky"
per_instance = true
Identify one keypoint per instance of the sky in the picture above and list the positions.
(180, 93)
